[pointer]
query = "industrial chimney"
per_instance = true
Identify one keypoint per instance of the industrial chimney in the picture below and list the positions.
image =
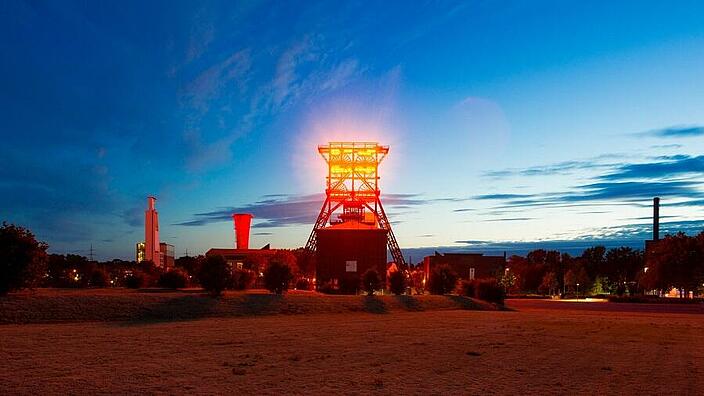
(656, 219)
(242, 223)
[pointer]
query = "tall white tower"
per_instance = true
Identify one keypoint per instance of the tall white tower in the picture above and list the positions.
(151, 232)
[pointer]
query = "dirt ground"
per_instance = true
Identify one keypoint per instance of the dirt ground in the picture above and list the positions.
(538, 349)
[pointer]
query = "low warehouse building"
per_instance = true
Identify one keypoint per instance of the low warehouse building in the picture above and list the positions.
(467, 265)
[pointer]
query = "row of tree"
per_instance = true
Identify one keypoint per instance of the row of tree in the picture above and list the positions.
(677, 261)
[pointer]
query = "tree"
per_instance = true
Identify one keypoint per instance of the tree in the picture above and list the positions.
(151, 273)
(443, 280)
(174, 279)
(570, 278)
(99, 278)
(22, 258)
(676, 261)
(508, 280)
(277, 276)
(243, 279)
(305, 259)
(371, 281)
(549, 285)
(215, 275)
(189, 264)
(594, 260)
(418, 280)
(397, 282)
(622, 267)
(527, 272)
(256, 263)
(135, 280)
(287, 258)
(58, 271)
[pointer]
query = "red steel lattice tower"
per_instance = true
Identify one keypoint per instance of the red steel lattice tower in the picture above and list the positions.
(353, 185)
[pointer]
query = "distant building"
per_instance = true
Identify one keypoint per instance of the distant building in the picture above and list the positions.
(243, 258)
(139, 252)
(467, 265)
(160, 253)
(166, 256)
(151, 232)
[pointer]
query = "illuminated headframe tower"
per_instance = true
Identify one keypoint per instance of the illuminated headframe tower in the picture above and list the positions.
(352, 185)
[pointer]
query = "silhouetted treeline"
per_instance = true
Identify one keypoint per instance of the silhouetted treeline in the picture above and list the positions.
(674, 262)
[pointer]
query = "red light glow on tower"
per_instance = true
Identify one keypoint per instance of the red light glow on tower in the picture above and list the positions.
(242, 224)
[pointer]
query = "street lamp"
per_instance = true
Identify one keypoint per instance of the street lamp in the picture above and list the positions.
(577, 291)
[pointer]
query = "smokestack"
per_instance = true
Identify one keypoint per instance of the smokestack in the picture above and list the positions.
(242, 223)
(656, 218)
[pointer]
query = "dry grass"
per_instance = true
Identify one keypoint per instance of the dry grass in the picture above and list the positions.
(535, 350)
(51, 305)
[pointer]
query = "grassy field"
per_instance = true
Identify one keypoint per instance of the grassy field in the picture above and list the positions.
(84, 305)
(539, 348)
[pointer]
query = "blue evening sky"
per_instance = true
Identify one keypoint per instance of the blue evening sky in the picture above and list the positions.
(511, 124)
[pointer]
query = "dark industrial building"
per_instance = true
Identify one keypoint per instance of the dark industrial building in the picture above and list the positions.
(347, 249)
(467, 265)
(651, 243)
(241, 258)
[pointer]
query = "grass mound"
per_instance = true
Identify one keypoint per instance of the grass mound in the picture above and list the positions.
(51, 305)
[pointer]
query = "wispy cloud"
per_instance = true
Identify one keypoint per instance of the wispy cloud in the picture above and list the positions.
(676, 131)
(202, 34)
(606, 192)
(666, 146)
(666, 176)
(209, 84)
(670, 166)
(501, 196)
(564, 167)
(511, 219)
(285, 210)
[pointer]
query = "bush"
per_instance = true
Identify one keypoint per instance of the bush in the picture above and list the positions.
(467, 288)
(397, 283)
(327, 288)
(135, 280)
(443, 280)
(22, 259)
(371, 281)
(483, 289)
(349, 284)
(99, 278)
(490, 291)
(302, 284)
(174, 279)
(215, 275)
(243, 279)
(277, 277)
(647, 299)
